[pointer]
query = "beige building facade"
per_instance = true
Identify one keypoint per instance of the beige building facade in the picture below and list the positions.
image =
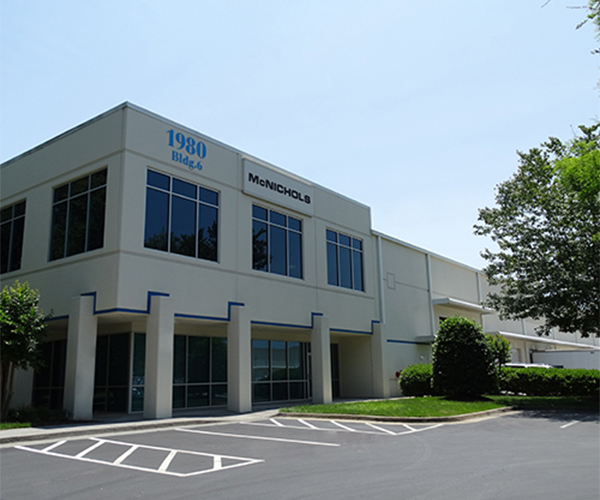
(183, 273)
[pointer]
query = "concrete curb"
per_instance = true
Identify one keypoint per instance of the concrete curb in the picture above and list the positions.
(29, 434)
(414, 420)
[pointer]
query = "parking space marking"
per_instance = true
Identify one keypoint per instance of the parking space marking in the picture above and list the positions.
(260, 438)
(569, 424)
(369, 428)
(163, 468)
(278, 424)
(90, 448)
(308, 424)
(381, 429)
(345, 427)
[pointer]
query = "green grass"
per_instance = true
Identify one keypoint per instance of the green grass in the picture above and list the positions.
(440, 406)
(13, 425)
(406, 407)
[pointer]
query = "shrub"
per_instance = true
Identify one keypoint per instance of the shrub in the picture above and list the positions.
(415, 380)
(550, 381)
(462, 361)
(36, 415)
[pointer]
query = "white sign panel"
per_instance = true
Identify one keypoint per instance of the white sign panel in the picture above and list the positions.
(278, 188)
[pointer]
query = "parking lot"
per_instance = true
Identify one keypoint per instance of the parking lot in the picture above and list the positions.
(534, 455)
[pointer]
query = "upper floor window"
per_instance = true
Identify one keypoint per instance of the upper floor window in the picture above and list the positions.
(181, 217)
(276, 242)
(11, 231)
(78, 216)
(344, 261)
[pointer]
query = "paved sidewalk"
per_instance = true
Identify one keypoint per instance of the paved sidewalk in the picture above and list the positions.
(11, 437)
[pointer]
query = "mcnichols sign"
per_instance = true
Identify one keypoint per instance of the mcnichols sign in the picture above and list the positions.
(278, 188)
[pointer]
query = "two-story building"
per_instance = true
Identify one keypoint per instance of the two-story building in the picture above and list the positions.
(182, 273)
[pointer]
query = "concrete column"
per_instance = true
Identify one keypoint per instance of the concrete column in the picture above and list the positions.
(381, 386)
(320, 346)
(158, 391)
(239, 360)
(81, 358)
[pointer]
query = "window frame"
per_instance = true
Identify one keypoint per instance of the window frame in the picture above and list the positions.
(176, 200)
(291, 228)
(63, 243)
(15, 225)
(339, 246)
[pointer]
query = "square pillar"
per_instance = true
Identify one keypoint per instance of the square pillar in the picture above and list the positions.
(158, 384)
(320, 346)
(81, 358)
(239, 360)
(381, 388)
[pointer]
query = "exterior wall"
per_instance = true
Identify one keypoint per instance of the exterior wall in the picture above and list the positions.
(378, 331)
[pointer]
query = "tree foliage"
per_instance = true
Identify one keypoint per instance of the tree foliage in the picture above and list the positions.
(23, 328)
(500, 349)
(462, 361)
(547, 227)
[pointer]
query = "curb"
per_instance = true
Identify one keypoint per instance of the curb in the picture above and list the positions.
(96, 429)
(29, 434)
(376, 418)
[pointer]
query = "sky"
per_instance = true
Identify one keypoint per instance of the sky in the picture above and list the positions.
(416, 109)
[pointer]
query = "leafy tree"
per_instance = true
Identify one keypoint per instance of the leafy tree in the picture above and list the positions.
(500, 349)
(23, 328)
(462, 361)
(547, 227)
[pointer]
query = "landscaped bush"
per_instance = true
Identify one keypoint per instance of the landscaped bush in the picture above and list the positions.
(36, 415)
(415, 380)
(463, 366)
(550, 381)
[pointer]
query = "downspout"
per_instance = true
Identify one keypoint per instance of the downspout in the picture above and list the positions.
(430, 289)
(380, 269)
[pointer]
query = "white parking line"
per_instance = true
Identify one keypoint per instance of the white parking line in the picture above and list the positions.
(278, 424)
(308, 424)
(124, 456)
(380, 428)
(345, 427)
(260, 438)
(87, 450)
(162, 469)
(55, 445)
(569, 424)
(377, 430)
(167, 461)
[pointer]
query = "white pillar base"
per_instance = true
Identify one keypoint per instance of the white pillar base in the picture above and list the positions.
(81, 358)
(158, 384)
(320, 343)
(239, 360)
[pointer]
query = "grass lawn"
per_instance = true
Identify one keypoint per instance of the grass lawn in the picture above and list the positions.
(13, 425)
(439, 406)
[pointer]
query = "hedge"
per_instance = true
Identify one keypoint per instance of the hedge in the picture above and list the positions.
(416, 380)
(550, 381)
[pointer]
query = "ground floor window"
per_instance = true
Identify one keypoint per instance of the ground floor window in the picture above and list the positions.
(335, 370)
(279, 370)
(111, 382)
(49, 380)
(199, 371)
(138, 372)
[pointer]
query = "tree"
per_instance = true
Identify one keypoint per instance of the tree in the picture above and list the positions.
(500, 349)
(23, 329)
(547, 227)
(462, 361)
(593, 14)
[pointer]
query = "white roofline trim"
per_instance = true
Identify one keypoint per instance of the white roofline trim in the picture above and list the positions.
(545, 340)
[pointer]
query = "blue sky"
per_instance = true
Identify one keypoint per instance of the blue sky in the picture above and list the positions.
(414, 108)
